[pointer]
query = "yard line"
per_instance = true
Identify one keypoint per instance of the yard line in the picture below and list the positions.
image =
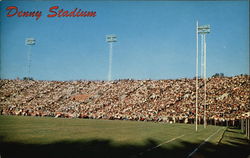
(196, 149)
(168, 141)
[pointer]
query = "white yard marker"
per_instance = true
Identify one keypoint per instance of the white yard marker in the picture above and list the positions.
(196, 149)
(166, 142)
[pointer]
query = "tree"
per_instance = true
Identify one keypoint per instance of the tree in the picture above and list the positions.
(28, 78)
(218, 75)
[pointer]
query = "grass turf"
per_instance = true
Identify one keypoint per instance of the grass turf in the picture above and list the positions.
(50, 137)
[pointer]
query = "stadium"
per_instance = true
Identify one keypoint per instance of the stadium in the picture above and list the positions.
(127, 118)
(139, 100)
(134, 79)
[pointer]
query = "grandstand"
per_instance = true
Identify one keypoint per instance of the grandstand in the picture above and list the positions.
(161, 112)
(143, 100)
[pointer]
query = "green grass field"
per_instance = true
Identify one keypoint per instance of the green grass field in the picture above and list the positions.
(58, 137)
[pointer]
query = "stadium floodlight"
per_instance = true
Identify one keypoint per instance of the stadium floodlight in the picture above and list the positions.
(110, 39)
(29, 42)
(202, 30)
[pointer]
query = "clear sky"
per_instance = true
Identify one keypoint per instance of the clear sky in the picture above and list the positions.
(156, 40)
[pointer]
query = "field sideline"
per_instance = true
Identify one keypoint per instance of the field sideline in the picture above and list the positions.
(58, 137)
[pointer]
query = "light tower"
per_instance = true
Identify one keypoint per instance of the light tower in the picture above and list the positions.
(202, 30)
(110, 39)
(29, 42)
(196, 76)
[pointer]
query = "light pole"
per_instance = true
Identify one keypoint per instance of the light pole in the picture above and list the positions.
(203, 30)
(196, 80)
(110, 39)
(29, 42)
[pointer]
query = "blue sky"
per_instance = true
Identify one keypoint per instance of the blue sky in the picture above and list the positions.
(156, 40)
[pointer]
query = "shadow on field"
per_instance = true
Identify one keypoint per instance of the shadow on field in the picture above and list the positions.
(105, 149)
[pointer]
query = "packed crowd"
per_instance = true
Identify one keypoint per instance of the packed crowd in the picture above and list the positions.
(142, 100)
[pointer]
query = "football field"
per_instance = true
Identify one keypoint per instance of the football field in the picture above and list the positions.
(59, 137)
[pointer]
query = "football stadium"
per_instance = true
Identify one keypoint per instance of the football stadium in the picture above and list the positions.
(124, 118)
(127, 79)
